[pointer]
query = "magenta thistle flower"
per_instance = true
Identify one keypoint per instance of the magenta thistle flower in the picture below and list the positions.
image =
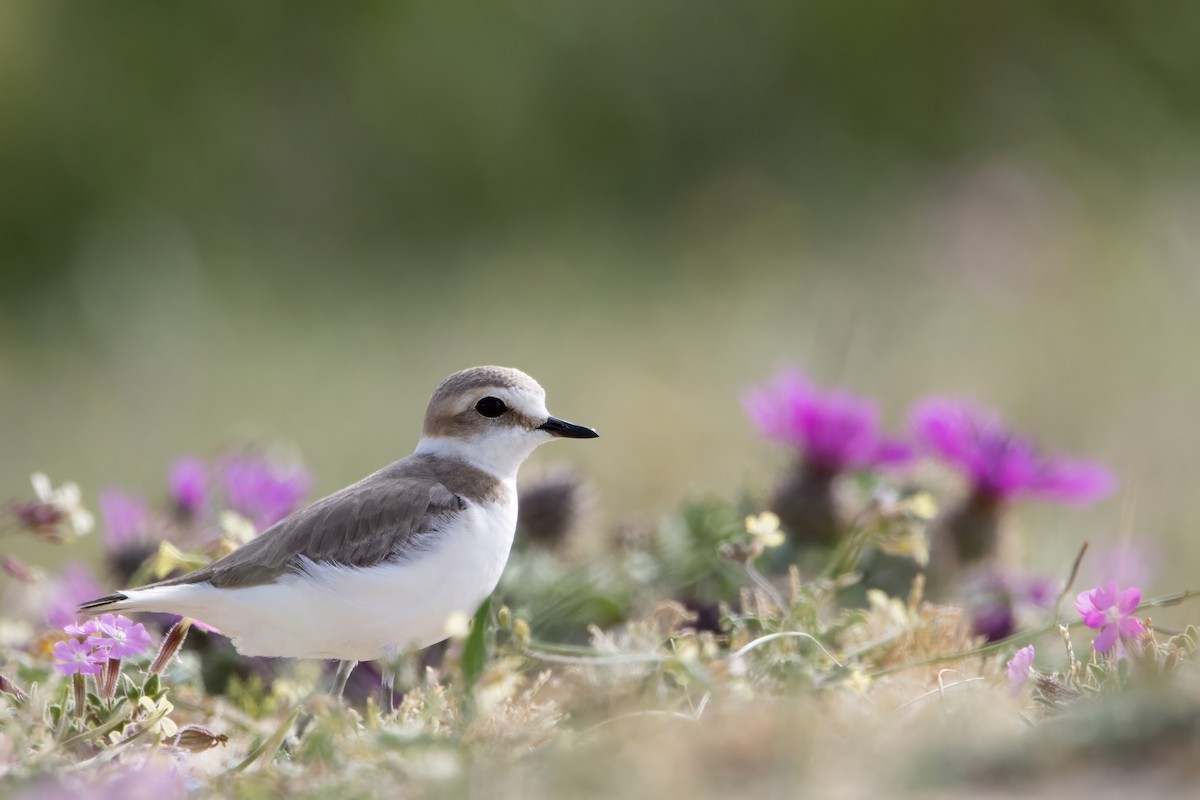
(264, 492)
(1000, 464)
(833, 432)
(187, 484)
(837, 431)
(126, 520)
(1020, 668)
(120, 637)
(76, 658)
(1111, 612)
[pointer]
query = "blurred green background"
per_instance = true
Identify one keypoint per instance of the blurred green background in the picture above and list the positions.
(288, 221)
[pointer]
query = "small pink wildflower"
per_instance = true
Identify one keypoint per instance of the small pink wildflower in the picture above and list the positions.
(120, 637)
(1020, 667)
(75, 658)
(1111, 612)
(88, 628)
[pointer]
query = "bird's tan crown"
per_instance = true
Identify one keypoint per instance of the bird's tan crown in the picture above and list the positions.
(451, 409)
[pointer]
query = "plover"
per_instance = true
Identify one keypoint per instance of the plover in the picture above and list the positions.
(381, 566)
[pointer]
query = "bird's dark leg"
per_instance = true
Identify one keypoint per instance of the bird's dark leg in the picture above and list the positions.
(341, 676)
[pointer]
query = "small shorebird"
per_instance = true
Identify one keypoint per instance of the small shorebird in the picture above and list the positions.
(381, 566)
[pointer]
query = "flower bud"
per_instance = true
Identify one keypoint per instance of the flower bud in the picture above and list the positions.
(171, 644)
(197, 739)
(11, 688)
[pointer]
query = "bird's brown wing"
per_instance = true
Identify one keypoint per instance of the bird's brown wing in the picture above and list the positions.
(381, 518)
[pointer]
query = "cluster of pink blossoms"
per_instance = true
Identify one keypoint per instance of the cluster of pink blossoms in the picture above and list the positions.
(1106, 609)
(833, 432)
(107, 638)
(841, 432)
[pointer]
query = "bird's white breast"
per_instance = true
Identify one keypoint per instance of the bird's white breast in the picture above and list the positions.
(331, 611)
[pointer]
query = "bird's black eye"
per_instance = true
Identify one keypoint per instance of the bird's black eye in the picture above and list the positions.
(491, 407)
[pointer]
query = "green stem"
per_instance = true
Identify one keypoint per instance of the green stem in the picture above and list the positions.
(80, 695)
(270, 746)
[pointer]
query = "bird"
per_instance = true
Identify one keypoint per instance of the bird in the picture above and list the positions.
(380, 567)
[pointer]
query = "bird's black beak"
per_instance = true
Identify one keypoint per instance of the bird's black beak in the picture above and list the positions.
(556, 427)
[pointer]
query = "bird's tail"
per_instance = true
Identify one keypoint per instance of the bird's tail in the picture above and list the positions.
(103, 605)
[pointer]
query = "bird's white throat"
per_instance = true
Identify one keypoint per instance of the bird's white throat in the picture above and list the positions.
(500, 454)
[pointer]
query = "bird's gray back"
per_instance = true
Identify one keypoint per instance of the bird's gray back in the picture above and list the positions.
(390, 515)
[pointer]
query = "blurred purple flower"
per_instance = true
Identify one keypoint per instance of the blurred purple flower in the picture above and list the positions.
(1111, 612)
(38, 516)
(76, 585)
(994, 620)
(126, 520)
(1000, 464)
(1020, 668)
(120, 637)
(264, 492)
(996, 599)
(16, 568)
(187, 484)
(148, 783)
(72, 657)
(151, 782)
(837, 431)
(1039, 590)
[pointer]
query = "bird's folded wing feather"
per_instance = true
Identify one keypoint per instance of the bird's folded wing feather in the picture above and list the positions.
(376, 520)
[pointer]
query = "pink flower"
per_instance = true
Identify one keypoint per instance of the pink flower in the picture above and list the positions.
(126, 520)
(836, 430)
(187, 484)
(88, 628)
(1020, 667)
(120, 637)
(1001, 464)
(74, 657)
(1111, 612)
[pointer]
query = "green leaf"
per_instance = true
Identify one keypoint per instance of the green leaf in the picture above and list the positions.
(153, 687)
(474, 656)
(117, 718)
